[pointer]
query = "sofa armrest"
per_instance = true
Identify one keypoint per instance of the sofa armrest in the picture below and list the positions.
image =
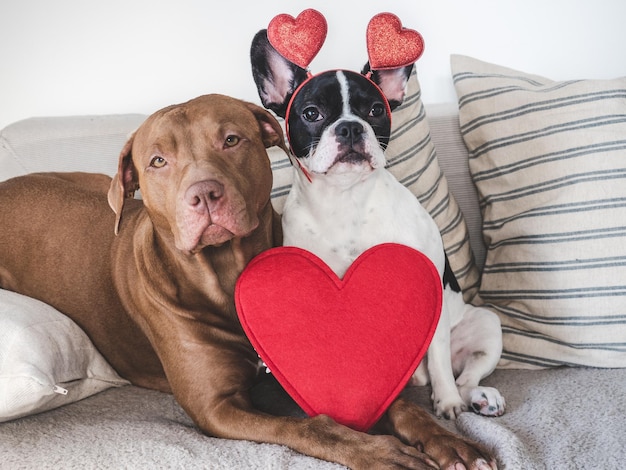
(80, 143)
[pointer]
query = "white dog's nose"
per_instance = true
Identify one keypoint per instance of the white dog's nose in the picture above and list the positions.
(349, 132)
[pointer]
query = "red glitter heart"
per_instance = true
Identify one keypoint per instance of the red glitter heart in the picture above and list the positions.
(298, 39)
(389, 45)
(341, 347)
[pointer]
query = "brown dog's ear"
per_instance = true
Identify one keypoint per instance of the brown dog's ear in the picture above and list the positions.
(124, 182)
(271, 130)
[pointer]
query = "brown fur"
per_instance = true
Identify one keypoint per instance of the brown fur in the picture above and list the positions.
(162, 313)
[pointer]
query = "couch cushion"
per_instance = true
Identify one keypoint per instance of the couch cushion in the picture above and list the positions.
(549, 161)
(412, 158)
(46, 360)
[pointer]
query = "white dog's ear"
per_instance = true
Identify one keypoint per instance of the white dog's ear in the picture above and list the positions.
(391, 81)
(124, 182)
(276, 78)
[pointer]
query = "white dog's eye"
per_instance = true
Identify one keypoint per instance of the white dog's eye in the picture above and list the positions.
(312, 114)
(377, 110)
(158, 162)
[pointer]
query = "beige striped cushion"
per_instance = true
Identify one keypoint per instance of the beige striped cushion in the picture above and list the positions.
(549, 162)
(412, 159)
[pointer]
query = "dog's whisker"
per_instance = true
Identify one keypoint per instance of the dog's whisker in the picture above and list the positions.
(310, 148)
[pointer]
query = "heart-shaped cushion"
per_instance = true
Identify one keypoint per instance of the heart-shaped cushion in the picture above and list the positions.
(298, 39)
(341, 347)
(389, 45)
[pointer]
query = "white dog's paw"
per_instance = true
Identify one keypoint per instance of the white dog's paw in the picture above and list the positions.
(485, 401)
(448, 407)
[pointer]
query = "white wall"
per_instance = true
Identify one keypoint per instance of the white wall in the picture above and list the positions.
(65, 57)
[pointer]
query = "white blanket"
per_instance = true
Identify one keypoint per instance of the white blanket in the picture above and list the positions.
(552, 422)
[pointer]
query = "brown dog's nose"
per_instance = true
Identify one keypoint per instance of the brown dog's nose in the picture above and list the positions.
(204, 194)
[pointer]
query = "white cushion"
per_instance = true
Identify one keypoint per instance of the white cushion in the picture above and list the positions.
(46, 360)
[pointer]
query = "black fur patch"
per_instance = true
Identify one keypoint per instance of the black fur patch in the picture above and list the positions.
(449, 279)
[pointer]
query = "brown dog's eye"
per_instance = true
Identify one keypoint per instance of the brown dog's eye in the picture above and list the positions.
(158, 162)
(231, 141)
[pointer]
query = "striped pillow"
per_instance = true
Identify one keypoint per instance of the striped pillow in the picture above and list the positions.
(411, 157)
(549, 162)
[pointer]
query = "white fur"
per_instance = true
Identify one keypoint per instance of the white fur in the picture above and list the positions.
(346, 209)
(340, 215)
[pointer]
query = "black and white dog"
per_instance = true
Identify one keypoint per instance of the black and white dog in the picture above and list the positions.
(343, 201)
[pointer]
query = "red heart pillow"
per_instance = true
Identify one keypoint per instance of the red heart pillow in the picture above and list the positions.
(341, 347)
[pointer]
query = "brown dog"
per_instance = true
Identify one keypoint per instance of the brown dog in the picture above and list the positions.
(157, 300)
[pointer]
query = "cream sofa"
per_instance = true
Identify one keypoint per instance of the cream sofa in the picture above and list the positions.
(559, 418)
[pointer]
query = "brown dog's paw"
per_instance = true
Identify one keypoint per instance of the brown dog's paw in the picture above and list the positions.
(455, 453)
(414, 426)
(388, 452)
